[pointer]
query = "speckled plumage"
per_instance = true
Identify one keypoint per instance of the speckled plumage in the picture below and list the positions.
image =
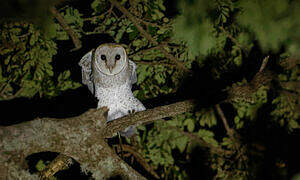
(112, 91)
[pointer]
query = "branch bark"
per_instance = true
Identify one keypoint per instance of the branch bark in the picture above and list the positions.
(244, 91)
(148, 116)
(81, 138)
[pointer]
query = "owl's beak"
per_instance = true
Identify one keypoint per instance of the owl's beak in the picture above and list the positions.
(110, 65)
(110, 68)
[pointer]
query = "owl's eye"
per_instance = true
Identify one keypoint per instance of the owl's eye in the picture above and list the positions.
(103, 57)
(118, 57)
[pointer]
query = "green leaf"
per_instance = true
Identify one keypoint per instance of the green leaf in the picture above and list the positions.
(190, 124)
(238, 60)
(274, 23)
(207, 136)
(152, 30)
(33, 39)
(134, 32)
(40, 166)
(181, 143)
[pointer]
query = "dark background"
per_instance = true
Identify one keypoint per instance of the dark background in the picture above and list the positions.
(277, 141)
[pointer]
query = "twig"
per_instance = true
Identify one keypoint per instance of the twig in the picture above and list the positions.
(232, 38)
(291, 87)
(67, 28)
(61, 162)
(154, 63)
(139, 158)
(140, 51)
(262, 77)
(9, 97)
(290, 62)
(147, 23)
(2, 86)
(179, 64)
(222, 116)
(121, 144)
(231, 132)
(264, 64)
(101, 15)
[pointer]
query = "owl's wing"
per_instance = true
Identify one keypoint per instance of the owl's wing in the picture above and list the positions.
(133, 77)
(86, 70)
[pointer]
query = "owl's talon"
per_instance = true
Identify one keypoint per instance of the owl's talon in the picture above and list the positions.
(131, 111)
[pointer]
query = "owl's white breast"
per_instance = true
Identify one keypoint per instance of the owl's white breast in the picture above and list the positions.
(114, 92)
(119, 100)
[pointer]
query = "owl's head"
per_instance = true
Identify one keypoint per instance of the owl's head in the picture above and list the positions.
(110, 59)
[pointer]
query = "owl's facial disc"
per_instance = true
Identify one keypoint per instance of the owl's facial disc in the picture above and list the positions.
(110, 59)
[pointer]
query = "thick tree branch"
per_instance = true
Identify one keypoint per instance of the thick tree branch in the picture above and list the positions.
(80, 138)
(134, 20)
(244, 92)
(148, 116)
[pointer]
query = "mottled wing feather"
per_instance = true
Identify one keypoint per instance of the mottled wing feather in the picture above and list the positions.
(133, 76)
(86, 70)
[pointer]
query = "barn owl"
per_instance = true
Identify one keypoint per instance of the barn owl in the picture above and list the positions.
(109, 75)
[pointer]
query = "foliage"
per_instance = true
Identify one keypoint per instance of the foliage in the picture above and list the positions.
(287, 102)
(195, 22)
(72, 18)
(248, 110)
(274, 23)
(26, 69)
(221, 36)
(40, 165)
